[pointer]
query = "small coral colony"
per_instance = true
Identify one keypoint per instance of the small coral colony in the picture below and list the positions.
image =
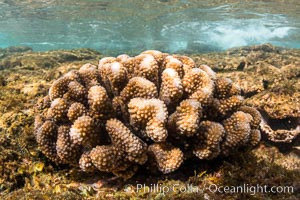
(153, 109)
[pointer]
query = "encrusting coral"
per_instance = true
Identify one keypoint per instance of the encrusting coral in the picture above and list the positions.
(154, 109)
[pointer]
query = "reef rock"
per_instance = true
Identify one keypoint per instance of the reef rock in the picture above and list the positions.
(153, 109)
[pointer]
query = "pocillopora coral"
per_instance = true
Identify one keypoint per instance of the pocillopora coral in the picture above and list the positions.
(154, 109)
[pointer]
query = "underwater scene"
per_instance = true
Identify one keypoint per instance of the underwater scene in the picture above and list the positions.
(158, 99)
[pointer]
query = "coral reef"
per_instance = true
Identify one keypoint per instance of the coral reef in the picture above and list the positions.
(158, 106)
(25, 173)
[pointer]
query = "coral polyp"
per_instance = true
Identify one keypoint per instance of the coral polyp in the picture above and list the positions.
(153, 109)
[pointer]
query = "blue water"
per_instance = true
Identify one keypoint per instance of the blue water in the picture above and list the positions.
(134, 25)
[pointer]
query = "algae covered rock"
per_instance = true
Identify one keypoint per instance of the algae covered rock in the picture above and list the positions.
(24, 57)
(114, 116)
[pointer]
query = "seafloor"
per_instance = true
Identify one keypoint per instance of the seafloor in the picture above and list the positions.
(268, 75)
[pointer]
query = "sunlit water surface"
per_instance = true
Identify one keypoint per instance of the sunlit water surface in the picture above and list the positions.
(119, 26)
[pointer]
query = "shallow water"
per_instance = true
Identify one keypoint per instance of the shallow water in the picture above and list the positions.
(134, 25)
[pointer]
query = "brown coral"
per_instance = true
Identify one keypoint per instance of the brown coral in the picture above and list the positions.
(173, 63)
(255, 137)
(210, 135)
(66, 149)
(159, 56)
(113, 74)
(76, 110)
(76, 91)
(83, 130)
(58, 109)
(187, 62)
(153, 108)
(59, 88)
(103, 158)
(187, 117)
(89, 75)
(99, 103)
(256, 116)
(146, 66)
(138, 87)
(237, 128)
(225, 88)
(125, 151)
(198, 85)
(149, 115)
(171, 89)
(126, 142)
(226, 106)
(168, 158)
(46, 136)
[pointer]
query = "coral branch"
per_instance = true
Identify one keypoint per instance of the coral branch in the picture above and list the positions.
(149, 115)
(171, 89)
(210, 135)
(167, 158)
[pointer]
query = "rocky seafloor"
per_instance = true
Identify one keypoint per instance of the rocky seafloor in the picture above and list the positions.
(270, 80)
